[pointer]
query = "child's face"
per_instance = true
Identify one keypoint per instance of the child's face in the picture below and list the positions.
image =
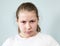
(27, 23)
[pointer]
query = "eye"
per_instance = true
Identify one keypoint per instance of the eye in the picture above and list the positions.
(23, 21)
(32, 21)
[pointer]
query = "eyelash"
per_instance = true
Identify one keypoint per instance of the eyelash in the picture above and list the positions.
(23, 21)
(30, 21)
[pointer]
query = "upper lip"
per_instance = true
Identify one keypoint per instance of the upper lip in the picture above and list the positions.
(28, 31)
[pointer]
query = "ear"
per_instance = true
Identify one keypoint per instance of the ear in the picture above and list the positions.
(16, 20)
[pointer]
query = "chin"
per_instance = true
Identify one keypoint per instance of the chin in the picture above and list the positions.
(29, 35)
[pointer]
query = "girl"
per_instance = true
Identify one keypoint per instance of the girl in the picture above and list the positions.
(29, 32)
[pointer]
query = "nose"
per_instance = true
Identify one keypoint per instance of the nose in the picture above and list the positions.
(28, 26)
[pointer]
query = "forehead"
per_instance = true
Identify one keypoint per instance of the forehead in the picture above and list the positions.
(27, 15)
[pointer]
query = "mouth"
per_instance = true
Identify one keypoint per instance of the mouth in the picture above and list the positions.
(28, 32)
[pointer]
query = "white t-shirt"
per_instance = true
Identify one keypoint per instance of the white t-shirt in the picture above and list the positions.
(38, 40)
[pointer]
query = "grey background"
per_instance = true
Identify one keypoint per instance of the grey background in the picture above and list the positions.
(49, 13)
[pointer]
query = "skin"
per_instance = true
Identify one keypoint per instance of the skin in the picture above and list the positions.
(27, 23)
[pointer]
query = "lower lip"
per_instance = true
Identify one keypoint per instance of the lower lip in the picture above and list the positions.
(28, 32)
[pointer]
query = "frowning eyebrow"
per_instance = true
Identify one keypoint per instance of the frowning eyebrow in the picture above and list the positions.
(24, 21)
(32, 20)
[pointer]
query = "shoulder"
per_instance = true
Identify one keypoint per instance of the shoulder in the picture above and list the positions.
(48, 39)
(9, 41)
(45, 36)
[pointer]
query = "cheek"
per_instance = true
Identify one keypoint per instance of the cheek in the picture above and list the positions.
(21, 26)
(34, 26)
